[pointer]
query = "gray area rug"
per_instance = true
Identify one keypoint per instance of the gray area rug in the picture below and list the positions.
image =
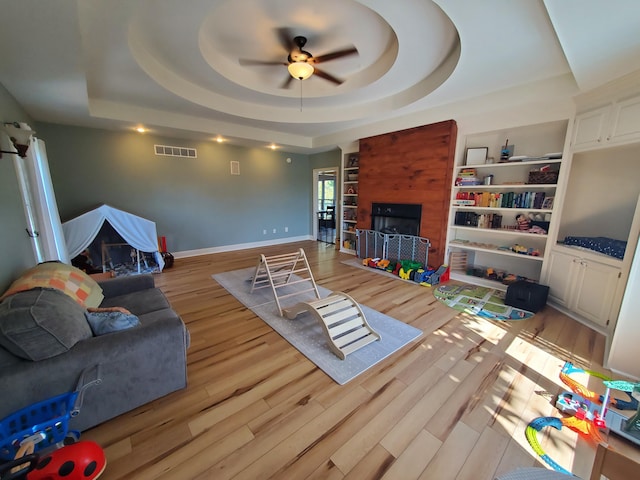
(306, 334)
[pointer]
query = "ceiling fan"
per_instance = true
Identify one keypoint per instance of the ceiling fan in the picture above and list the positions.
(300, 63)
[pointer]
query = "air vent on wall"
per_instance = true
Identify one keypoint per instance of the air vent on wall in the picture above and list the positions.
(176, 151)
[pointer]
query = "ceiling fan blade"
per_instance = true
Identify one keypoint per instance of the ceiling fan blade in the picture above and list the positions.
(334, 55)
(287, 82)
(285, 37)
(247, 61)
(327, 76)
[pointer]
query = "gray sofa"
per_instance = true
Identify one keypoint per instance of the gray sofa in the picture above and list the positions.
(137, 365)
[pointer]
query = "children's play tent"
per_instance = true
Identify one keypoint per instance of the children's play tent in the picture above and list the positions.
(138, 232)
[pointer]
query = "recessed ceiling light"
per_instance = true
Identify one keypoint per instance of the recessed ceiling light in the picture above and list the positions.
(273, 146)
(219, 139)
(140, 130)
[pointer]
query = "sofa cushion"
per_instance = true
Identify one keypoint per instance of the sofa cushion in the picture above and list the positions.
(109, 322)
(41, 323)
(66, 278)
(139, 302)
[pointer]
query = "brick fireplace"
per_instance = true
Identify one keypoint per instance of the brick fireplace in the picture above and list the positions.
(413, 167)
(402, 218)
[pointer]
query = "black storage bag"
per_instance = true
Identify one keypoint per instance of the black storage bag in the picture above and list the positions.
(527, 295)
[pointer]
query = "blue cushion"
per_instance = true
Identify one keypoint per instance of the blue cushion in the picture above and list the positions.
(108, 322)
(607, 246)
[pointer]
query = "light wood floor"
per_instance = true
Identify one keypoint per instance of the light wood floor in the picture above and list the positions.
(452, 405)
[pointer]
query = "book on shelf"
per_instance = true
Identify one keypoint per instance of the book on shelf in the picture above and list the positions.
(467, 181)
(532, 200)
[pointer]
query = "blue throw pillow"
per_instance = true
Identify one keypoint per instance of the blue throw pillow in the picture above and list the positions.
(108, 322)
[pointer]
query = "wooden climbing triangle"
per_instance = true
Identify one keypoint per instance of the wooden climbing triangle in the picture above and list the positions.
(277, 272)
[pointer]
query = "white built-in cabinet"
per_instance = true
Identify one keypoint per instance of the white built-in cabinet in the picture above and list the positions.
(583, 283)
(617, 123)
(602, 199)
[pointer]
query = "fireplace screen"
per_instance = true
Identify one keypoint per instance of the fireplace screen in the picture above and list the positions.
(400, 218)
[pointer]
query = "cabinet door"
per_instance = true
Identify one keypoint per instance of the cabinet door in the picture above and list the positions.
(590, 129)
(560, 277)
(626, 121)
(595, 287)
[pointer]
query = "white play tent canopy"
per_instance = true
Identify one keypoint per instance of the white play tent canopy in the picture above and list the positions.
(138, 232)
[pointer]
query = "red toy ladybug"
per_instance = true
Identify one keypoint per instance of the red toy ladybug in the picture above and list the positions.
(83, 460)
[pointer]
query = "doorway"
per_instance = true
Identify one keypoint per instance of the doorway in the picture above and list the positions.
(325, 193)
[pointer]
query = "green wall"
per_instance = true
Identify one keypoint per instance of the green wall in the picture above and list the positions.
(17, 253)
(196, 203)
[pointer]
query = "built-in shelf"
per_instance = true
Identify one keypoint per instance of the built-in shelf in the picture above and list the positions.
(492, 248)
(493, 166)
(350, 168)
(495, 249)
(501, 209)
(500, 231)
(507, 186)
(483, 282)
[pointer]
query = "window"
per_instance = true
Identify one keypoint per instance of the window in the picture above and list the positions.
(326, 190)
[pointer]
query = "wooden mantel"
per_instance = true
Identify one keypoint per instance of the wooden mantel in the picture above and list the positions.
(411, 166)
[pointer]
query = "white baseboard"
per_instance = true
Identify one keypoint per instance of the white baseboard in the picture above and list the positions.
(240, 246)
(577, 317)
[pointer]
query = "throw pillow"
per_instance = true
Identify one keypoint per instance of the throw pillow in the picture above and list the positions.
(109, 322)
(66, 278)
(41, 323)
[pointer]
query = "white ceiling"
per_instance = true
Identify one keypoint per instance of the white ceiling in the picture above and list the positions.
(173, 65)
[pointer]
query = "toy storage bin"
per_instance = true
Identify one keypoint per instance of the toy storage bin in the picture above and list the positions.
(537, 177)
(48, 420)
(527, 296)
(45, 422)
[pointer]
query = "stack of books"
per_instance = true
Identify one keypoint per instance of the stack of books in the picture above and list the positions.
(467, 176)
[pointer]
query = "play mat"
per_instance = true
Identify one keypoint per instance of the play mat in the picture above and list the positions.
(482, 301)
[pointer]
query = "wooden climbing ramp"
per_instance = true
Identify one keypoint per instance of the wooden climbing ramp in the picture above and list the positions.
(343, 321)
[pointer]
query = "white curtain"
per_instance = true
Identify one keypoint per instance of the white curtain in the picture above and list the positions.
(44, 203)
(38, 198)
(138, 232)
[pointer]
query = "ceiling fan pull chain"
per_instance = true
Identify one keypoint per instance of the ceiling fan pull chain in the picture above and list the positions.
(300, 95)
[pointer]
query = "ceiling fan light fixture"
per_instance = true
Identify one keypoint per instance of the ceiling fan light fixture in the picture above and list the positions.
(300, 70)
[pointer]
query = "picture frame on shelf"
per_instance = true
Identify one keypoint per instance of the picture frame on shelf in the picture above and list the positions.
(547, 204)
(353, 161)
(476, 156)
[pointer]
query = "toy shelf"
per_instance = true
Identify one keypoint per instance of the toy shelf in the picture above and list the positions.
(494, 249)
(483, 282)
